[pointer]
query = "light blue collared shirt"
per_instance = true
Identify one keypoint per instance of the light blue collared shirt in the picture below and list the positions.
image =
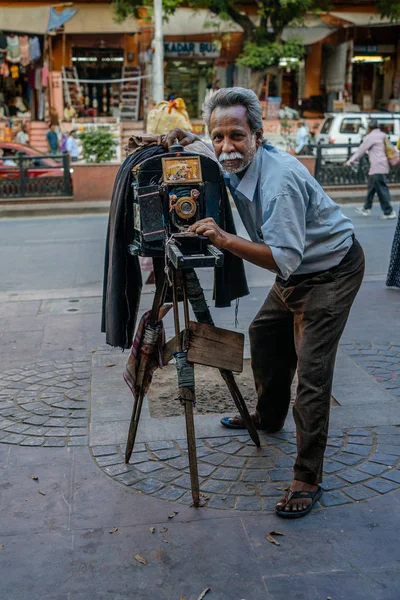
(283, 206)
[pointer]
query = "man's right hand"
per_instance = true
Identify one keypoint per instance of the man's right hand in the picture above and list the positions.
(184, 138)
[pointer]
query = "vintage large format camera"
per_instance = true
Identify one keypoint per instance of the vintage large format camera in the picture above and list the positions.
(171, 192)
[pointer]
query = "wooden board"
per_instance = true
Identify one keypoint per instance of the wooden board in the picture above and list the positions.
(215, 347)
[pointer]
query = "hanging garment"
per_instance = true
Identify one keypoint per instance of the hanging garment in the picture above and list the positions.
(24, 48)
(38, 78)
(45, 75)
(13, 49)
(34, 48)
(4, 70)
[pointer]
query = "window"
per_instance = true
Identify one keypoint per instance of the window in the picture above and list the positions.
(327, 125)
(350, 125)
(387, 125)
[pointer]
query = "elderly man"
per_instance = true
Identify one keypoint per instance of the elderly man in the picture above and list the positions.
(300, 234)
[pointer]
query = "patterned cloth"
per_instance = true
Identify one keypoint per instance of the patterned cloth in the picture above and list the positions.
(393, 277)
(148, 343)
(13, 49)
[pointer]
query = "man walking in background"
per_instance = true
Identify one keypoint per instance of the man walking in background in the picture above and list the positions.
(374, 143)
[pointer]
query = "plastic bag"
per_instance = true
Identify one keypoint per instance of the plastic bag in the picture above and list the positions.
(391, 153)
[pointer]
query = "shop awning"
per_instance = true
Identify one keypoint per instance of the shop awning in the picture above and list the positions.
(98, 18)
(187, 21)
(363, 19)
(30, 19)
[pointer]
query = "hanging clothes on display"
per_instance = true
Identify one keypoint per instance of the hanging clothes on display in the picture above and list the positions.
(13, 49)
(24, 49)
(34, 48)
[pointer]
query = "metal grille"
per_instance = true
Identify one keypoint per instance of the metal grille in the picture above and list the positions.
(27, 181)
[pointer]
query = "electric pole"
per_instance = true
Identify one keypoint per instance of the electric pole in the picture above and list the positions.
(158, 56)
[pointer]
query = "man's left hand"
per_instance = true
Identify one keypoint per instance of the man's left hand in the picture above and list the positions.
(208, 227)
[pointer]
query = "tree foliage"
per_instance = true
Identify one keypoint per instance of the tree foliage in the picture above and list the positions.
(262, 37)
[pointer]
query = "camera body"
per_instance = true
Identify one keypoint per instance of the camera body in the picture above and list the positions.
(170, 192)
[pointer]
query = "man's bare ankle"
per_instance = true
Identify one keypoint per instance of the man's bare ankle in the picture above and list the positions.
(298, 485)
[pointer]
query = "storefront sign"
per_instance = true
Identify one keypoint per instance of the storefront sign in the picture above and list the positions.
(381, 49)
(191, 50)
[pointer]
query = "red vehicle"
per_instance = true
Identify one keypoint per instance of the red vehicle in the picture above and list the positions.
(28, 173)
(37, 167)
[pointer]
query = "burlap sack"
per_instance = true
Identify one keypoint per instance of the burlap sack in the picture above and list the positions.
(167, 116)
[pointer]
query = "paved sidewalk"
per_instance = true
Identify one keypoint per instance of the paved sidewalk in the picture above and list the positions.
(74, 516)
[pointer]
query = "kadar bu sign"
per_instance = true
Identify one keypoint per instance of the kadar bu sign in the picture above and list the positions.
(192, 49)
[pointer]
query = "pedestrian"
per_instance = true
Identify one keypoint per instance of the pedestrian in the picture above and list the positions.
(69, 112)
(393, 276)
(300, 234)
(301, 138)
(71, 145)
(52, 139)
(374, 143)
(22, 137)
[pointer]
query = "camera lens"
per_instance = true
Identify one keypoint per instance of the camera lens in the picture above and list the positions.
(186, 208)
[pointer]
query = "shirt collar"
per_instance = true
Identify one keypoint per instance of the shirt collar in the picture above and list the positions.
(248, 184)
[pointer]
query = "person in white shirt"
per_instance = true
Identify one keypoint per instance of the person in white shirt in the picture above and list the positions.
(22, 136)
(301, 138)
(71, 145)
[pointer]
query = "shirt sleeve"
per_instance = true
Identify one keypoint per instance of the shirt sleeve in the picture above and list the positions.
(284, 229)
(361, 150)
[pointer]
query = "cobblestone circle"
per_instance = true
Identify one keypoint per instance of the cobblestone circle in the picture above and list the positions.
(45, 403)
(234, 474)
(382, 361)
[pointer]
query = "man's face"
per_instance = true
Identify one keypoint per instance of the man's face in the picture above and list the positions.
(232, 140)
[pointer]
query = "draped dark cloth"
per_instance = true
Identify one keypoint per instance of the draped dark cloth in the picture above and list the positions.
(393, 277)
(122, 284)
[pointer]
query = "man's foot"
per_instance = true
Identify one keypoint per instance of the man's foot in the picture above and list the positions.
(298, 500)
(391, 215)
(365, 212)
(237, 422)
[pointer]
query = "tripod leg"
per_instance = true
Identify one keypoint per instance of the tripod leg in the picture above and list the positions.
(139, 395)
(186, 394)
(203, 315)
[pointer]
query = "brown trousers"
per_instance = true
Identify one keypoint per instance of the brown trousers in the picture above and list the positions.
(299, 326)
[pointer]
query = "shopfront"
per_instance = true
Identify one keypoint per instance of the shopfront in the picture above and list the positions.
(190, 71)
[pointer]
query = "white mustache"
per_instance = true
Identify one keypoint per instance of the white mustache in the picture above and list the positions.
(224, 156)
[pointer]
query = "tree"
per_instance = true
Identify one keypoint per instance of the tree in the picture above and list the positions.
(262, 37)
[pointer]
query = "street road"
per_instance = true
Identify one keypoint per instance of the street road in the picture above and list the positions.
(66, 253)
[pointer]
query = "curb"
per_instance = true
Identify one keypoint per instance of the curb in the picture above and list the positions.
(42, 209)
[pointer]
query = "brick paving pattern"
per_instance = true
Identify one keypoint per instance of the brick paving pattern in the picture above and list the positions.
(45, 403)
(234, 474)
(382, 361)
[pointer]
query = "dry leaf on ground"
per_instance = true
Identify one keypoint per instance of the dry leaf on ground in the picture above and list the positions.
(42, 492)
(152, 529)
(272, 540)
(140, 559)
(153, 459)
(2, 546)
(164, 529)
(172, 515)
(165, 541)
(203, 593)
(113, 530)
(110, 365)
(276, 533)
(34, 477)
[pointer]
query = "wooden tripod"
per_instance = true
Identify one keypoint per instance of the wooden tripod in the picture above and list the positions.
(186, 284)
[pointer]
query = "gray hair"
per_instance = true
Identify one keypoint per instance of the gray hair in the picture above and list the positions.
(235, 96)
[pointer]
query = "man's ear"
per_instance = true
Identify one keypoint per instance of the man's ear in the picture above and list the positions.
(259, 137)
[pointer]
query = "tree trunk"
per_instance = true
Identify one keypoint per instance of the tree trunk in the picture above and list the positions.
(256, 81)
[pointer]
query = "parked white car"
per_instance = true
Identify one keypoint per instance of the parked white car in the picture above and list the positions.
(342, 128)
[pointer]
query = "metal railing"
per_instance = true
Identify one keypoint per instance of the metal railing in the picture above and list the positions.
(32, 177)
(330, 169)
